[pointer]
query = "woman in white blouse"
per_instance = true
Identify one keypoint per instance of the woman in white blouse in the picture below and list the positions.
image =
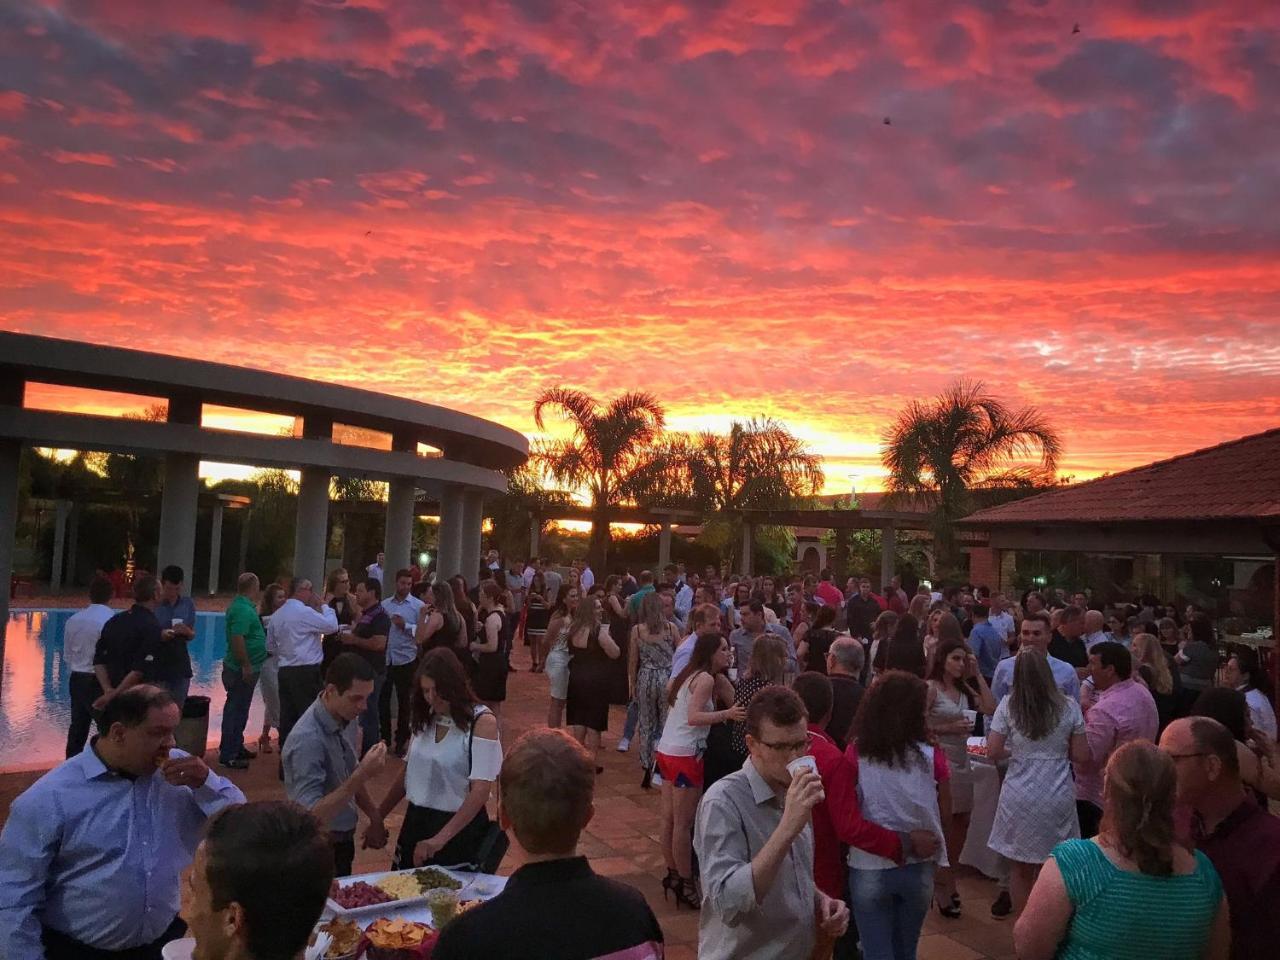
(453, 760)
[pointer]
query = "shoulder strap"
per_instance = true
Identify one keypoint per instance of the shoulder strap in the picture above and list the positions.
(471, 731)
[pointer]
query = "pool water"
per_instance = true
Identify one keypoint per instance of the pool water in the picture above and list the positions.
(35, 702)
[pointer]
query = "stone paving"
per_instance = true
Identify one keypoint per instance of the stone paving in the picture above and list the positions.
(622, 839)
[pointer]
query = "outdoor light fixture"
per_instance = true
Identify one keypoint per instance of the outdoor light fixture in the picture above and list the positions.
(1041, 581)
(423, 559)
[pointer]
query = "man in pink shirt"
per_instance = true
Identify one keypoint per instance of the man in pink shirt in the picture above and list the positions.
(1124, 711)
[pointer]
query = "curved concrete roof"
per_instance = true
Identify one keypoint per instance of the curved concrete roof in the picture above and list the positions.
(463, 438)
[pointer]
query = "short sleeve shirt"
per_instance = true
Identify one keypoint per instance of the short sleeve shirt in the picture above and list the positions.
(243, 621)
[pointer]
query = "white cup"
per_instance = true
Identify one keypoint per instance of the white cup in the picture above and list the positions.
(733, 674)
(971, 717)
(175, 622)
(802, 763)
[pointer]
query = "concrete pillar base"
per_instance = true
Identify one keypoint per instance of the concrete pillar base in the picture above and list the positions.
(449, 550)
(215, 549)
(472, 527)
(311, 535)
(179, 501)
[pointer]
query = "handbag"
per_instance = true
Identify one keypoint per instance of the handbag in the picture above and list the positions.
(495, 844)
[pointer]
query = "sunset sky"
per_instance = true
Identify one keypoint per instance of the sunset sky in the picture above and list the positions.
(468, 202)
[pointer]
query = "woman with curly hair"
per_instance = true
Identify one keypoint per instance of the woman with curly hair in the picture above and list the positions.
(1132, 892)
(903, 785)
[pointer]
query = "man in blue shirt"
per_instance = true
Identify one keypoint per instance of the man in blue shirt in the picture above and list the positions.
(986, 642)
(92, 854)
(1036, 632)
(402, 660)
(177, 616)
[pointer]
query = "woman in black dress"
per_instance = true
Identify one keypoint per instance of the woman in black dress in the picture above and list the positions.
(587, 711)
(617, 616)
(443, 627)
(537, 611)
(489, 648)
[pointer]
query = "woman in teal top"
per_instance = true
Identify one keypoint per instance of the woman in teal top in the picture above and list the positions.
(1131, 893)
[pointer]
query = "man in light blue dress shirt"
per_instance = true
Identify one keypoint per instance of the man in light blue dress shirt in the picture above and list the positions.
(92, 853)
(402, 661)
(1036, 632)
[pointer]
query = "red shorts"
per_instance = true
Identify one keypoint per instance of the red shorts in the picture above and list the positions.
(680, 771)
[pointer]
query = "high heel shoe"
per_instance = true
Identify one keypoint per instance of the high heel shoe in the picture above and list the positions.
(646, 782)
(686, 892)
(951, 911)
(671, 882)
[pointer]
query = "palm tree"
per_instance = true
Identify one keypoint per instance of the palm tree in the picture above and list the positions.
(612, 454)
(758, 465)
(939, 451)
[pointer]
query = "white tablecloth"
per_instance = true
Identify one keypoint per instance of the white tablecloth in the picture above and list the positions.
(986, 795)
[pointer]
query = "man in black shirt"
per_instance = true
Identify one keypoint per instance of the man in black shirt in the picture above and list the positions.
(367, 637)
(128, 647)
(862, 610)
(845, 660)
(554, 905)
(1067, 643)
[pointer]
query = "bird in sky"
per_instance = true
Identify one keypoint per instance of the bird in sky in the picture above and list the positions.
(888, 122)
(1075, 29)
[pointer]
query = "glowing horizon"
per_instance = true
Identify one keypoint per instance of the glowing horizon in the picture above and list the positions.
(467, 203)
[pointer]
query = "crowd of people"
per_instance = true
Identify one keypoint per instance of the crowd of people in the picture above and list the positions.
(815, 749)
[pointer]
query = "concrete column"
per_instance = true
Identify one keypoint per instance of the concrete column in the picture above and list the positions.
(449, 551)
(472, 526)
(246, 516)
(888, 552)
(215, 548)
(748, 549)
(664, 545)
(397, 541)
(73, 545)
(61, 509)
(535, 536)
(179, 500)
(311, 533)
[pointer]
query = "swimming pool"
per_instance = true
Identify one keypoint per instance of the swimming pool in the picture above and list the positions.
(35, 702)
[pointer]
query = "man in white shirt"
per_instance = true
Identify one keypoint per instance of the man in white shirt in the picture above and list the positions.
(1095, 629)
(703, 619)
(296, 634)
(374, 569)
(1000, 617)
(588, 578)
(530, 570)
(402, 660)
(79, 638)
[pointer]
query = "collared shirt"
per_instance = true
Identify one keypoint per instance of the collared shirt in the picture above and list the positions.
(1064, 675)
(680, 659)
(98, 856)
(80, 636)
(242, 621)
(173, 662)
(684, 602)
(128, 642)
(987, 643)
(838, 818)
(1091, 640)
(736, 817)
(742, 641)
(1261, 714)
(318, 758)
(633, 602)
(555, 908)
(374, 572)
(401, 647)
(296, 633)
(1245, 850)
(1125, 711)
(587, 580)
(1002, 622)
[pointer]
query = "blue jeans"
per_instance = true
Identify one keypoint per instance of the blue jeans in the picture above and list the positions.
(235, 712)
(633, 717)
(370, 722)
(178, 690)
(890, 907)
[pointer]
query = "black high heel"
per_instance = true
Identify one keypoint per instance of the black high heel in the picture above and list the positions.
(671, 882)
(686, 893)
(951, 912)
(646, 782)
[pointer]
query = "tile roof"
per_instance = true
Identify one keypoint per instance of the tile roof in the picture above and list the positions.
(1239, 479)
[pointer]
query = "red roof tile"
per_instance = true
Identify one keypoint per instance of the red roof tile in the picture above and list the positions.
(1235, 480)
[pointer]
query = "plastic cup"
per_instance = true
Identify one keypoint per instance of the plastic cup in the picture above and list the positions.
(733, 674)
(802, 763)
(971, 716)
(444, 905)
(175, 622)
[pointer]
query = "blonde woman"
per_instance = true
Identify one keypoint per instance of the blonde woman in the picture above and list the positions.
(556, 664)
(1153, 667)
(653, 642)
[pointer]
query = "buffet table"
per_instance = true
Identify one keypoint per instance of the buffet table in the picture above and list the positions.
(986, 796)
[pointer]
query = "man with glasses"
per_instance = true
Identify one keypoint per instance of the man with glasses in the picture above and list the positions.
(755, 845)
(1241, 839)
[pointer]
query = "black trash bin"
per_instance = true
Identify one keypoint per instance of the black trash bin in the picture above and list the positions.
(193, 729)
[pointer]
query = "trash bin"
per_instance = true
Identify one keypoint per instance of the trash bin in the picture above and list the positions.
(192, 734)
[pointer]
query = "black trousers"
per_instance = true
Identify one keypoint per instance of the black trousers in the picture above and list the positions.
(344, 852)
(1090, 819)
(399, 678)
(299, 687)
(58, 946)
(84, 690)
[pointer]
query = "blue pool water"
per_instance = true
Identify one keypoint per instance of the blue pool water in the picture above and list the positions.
(35, 703)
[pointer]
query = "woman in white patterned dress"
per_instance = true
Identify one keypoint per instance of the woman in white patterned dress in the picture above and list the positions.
(1042, 732)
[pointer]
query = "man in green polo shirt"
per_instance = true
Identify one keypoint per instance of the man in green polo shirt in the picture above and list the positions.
(246, 653)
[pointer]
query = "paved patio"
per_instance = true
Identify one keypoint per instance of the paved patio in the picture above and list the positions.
(621, 840)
